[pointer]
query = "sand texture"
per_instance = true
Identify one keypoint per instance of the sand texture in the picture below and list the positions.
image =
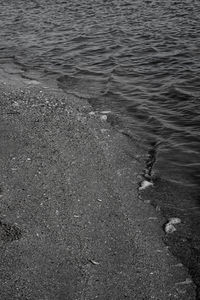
(71, 223)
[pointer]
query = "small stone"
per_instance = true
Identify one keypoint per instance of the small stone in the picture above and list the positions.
(91, 113)
(103, 118)
(169, 228)
(145, 184)
(174, 221)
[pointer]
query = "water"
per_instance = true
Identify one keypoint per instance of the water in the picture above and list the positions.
(141, 59)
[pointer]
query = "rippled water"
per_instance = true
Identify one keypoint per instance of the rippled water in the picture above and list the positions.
(139, 58)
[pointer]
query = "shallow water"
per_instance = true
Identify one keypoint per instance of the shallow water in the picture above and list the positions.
(140, 59)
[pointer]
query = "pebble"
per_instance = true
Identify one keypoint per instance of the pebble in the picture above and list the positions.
(91, 113)
(169, 227)
(145, 184)
(174, 221)
(103, 118)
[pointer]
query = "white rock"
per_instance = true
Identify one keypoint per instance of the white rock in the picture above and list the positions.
(169, 228)
(91, 113)
(174, 221)
(145, 184)
(103, 117)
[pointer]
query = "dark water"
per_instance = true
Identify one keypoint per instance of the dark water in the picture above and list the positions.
(141, 59)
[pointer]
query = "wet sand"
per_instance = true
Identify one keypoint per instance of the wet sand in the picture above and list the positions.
(72, 225)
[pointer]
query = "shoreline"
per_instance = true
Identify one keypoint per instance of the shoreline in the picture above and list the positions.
(72, 223)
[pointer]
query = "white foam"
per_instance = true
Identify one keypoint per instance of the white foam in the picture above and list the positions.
(105, 112)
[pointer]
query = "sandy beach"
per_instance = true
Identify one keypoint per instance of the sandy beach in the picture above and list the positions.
(72, 223)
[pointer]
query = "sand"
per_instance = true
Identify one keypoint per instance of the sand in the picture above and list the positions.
(72, 223)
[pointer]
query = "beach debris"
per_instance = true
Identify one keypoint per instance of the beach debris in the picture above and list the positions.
(169, 226)
(94, 262)
(103, 117)
(145, 184)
